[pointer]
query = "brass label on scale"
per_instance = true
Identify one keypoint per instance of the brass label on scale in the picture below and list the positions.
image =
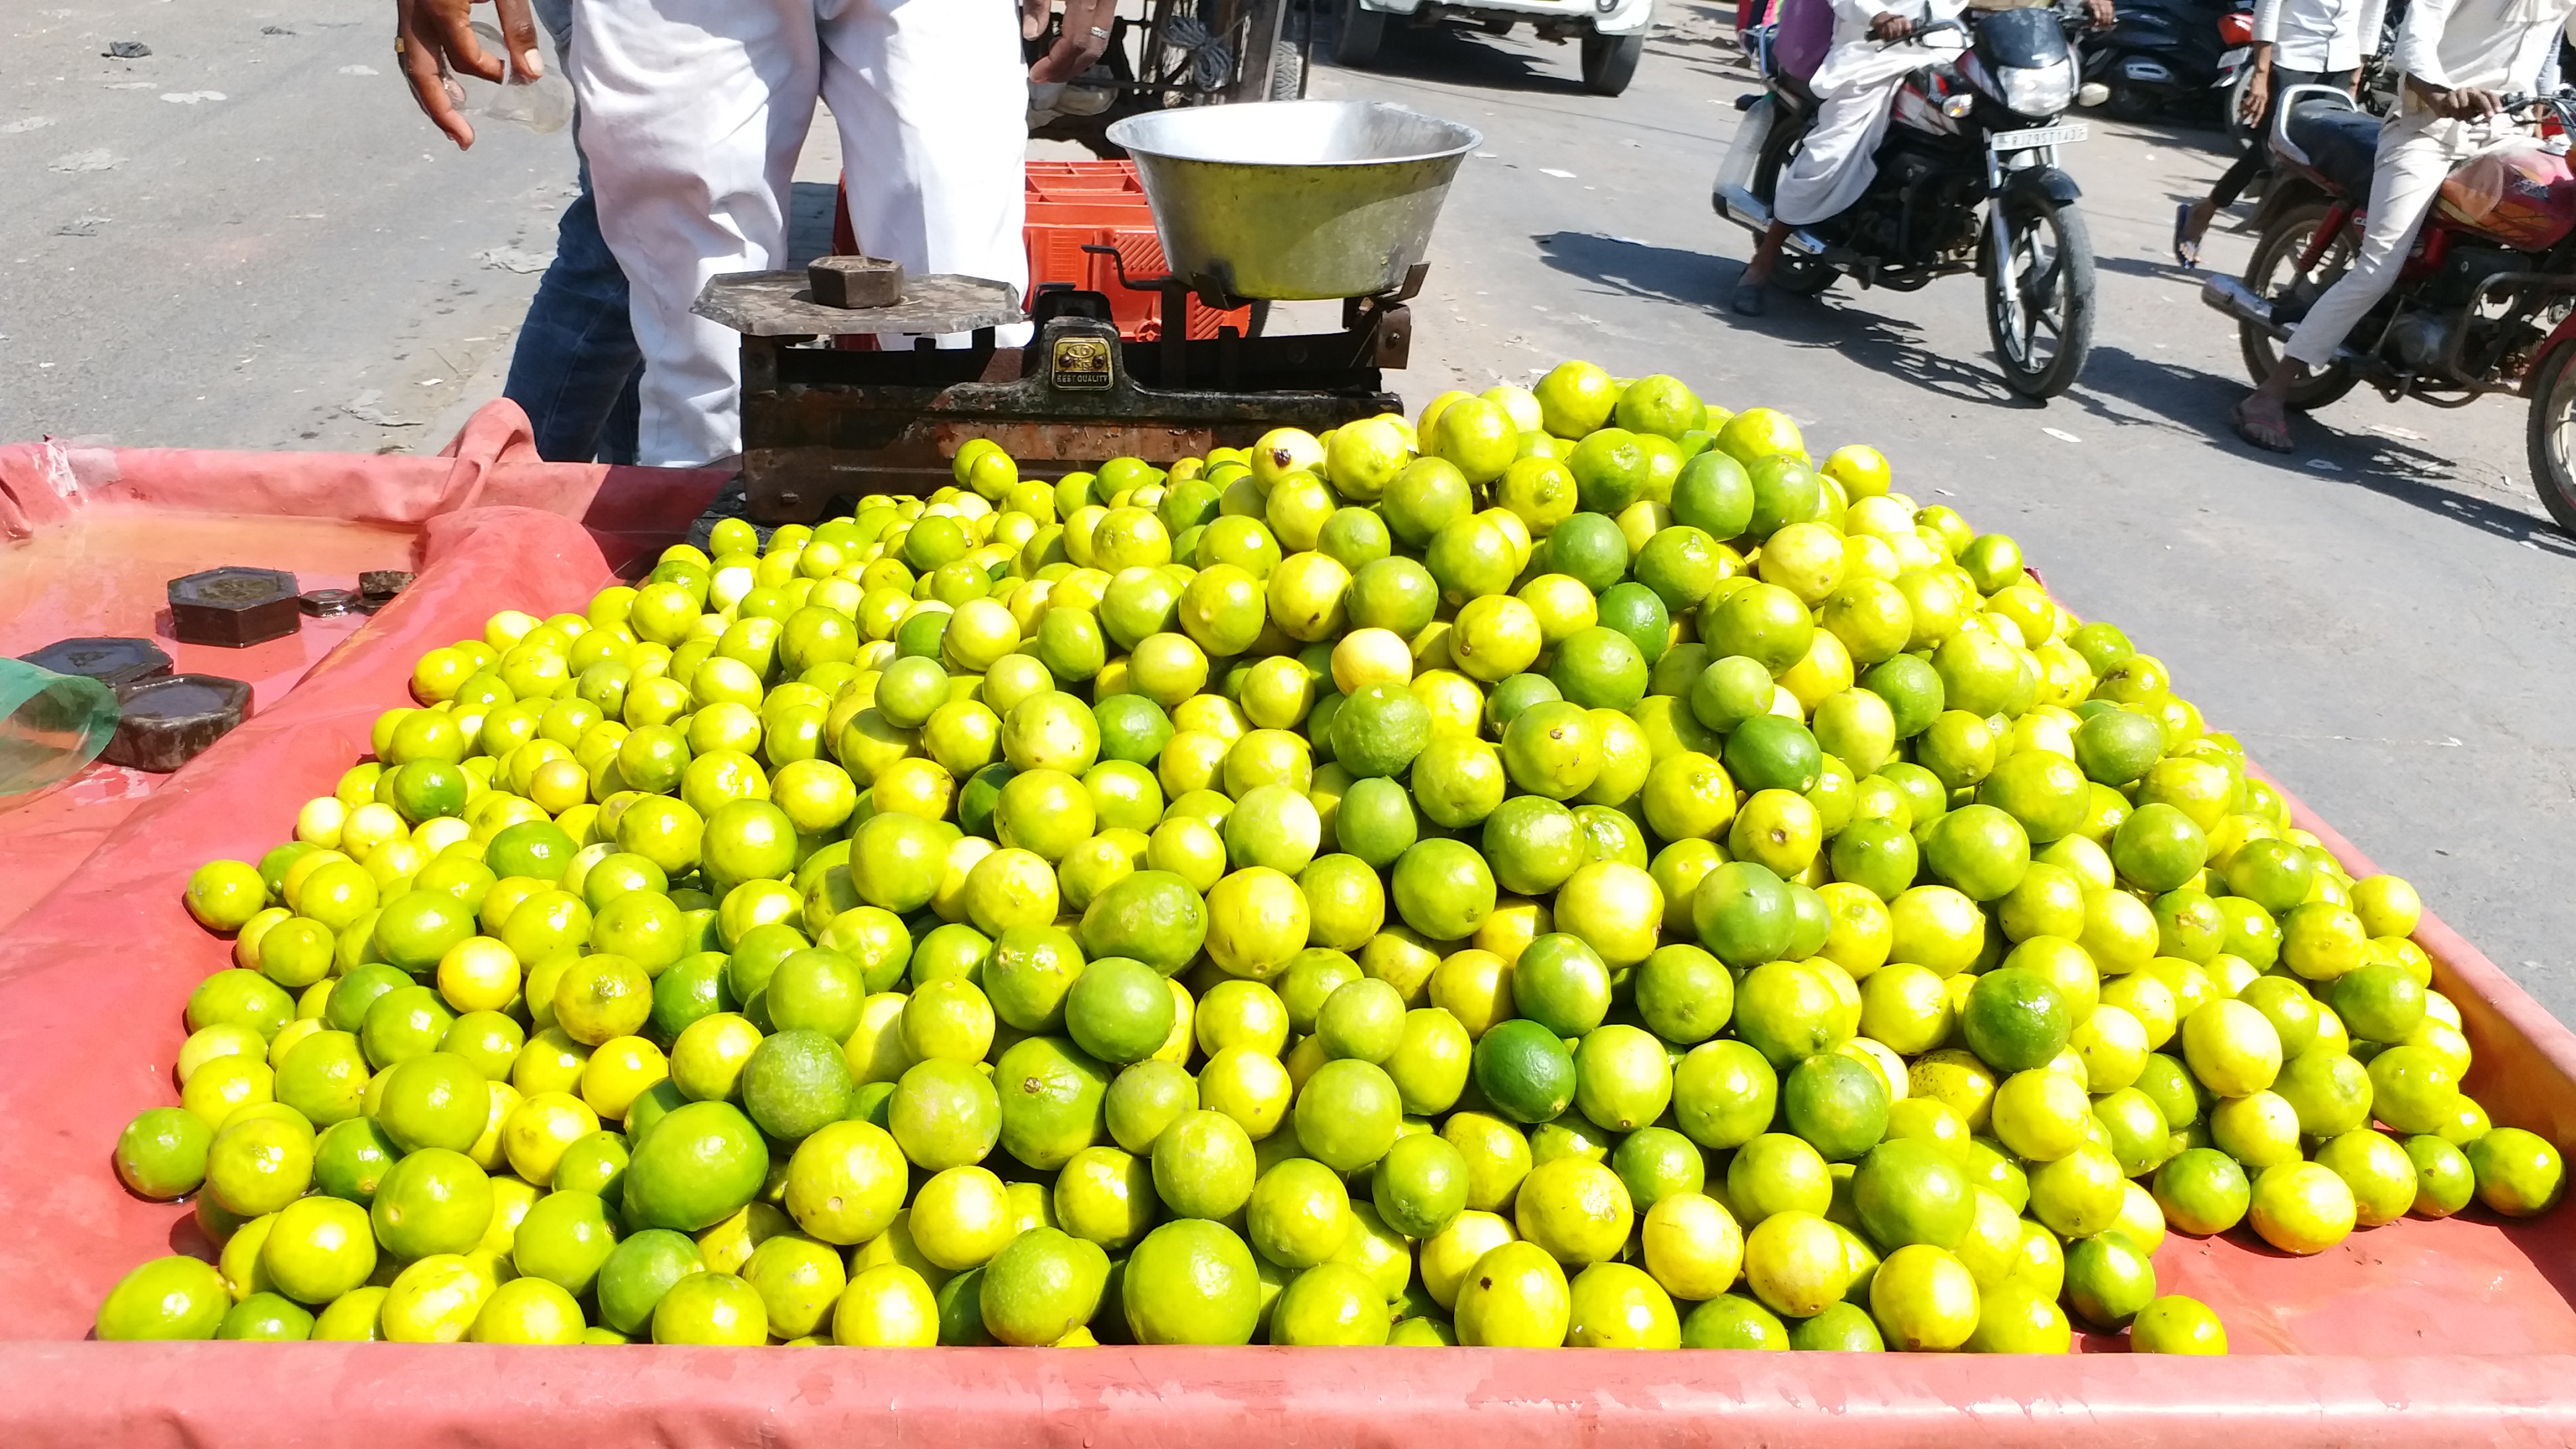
(1081, 364)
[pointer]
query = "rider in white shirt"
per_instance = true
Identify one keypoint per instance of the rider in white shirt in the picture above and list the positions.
(2458, 57)
(1855, 87)
(2296, 43)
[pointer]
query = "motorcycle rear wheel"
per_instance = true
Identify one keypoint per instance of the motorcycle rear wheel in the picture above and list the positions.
(2053, 270)
(1801, 276)
(2551, 437)
(2274, 270)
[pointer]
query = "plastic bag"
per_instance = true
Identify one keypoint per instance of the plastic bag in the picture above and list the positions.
(51, 725)
(2501, 171)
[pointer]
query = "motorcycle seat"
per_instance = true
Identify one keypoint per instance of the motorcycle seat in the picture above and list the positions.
(2339, 142)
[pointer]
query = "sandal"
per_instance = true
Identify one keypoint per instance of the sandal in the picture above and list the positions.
(2186, 250)
(1747, 301)
(2270, 437)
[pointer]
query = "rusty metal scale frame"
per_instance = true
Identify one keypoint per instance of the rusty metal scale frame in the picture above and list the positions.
(822, 423)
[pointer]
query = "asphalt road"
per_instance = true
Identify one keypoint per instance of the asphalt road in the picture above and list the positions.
(249, 238)
(2371, 615)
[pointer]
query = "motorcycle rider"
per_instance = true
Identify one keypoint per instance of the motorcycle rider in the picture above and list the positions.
(2296, 43)
(2456, 56)
(1854, 86)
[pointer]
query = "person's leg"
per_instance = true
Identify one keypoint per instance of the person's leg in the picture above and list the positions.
(576, 354)
(2256, 159)
(932, 97)
(576, 351)
(692, 115)
(2415, 154)
(1832, 168)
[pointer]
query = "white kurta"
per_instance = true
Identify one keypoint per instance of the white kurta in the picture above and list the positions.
(2480, 44)
(1856, 85)
(692, 112)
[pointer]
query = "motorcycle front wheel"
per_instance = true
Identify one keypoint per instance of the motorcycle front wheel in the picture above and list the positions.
(2551, 435)
(2043, 342)
(2275, 277)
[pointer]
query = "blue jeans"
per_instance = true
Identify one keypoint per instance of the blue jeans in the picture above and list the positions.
(576, 366)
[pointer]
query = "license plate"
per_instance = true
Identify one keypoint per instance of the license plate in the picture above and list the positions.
(2038, 136)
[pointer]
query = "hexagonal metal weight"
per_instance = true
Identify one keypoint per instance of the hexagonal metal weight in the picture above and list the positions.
(113, 662)
(234, 608)
(169, 721)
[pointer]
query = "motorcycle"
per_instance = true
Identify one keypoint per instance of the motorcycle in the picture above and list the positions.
(1967, 181)
(2160, 51)
(2483, 304)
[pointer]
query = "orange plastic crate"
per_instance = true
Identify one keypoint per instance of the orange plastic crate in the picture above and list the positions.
(1074, 204)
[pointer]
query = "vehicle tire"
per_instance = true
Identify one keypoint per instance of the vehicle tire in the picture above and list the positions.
(2551, 434)
(1610, 62)
(1363, 35)
(2052, 257)
(2272, 275)
(1801, 276)
(2132, 103)
(1288, 74)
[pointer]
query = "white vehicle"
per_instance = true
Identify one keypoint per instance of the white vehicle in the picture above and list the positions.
(1613, 32)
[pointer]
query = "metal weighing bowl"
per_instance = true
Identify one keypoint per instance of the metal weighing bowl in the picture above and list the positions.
(1294, 200)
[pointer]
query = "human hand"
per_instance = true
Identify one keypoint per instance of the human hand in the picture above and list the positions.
(2467, 103)
(2104, 17)
(434, 37)
(2258, 94)
(1891, 26)
(1086, 35)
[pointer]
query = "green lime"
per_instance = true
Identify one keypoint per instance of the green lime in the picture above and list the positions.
(1684, 994)
(162, 1153)
(1152, 916)
(1041, 1286)
(432, 1201)
(1622, 1079)
(637, 1273)
(1910, 1191)
(1524, 1069)
(1637, 613)
(1657, 1163)
(1744, 914)
(701, 1164)
(2108, 1280)
(1348, 1113)
(1119, 1010)
(1788, 1012)
(1837, 1104)
(2519, 1173)
(1191, 1281)
(267, 1318)
(1724, 1094)
(1732, 1321)
(166, 1298)
(1443, 889)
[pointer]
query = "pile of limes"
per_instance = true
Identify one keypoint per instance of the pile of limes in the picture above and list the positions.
(1573, 873)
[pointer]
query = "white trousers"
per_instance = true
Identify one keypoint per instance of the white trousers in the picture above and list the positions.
(2416, 151)
(1838, 158)
(692, 113)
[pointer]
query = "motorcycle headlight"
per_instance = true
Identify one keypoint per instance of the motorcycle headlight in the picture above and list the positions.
(2038, 91)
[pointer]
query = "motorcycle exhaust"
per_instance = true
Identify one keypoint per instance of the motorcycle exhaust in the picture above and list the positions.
(2228, 295)
(1746, 210)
